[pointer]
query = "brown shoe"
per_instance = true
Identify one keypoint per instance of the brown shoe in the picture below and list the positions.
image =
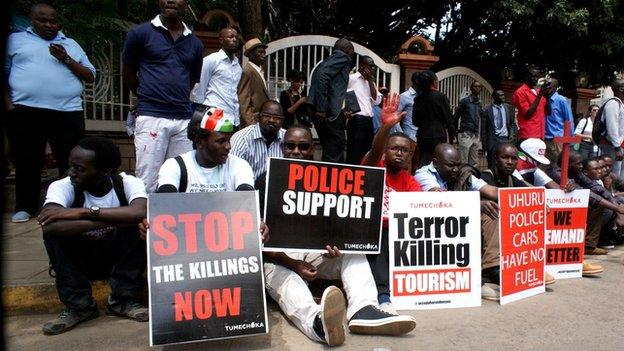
(595, 251)
(592, 268)
(548, 278)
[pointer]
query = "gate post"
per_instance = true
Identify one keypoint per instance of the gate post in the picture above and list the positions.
(415, 55)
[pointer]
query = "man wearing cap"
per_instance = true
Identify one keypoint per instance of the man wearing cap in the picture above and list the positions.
(360, 125)
(45, 72)
(220, 75)
(252, 88)
(161, 63)
(259, 141)
(534, 154)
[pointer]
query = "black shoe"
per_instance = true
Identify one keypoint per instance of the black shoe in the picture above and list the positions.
(618, 240)
(127, 309)
(606, 244)
(328, 324)
(371, 320)
(491, 275)
(68, 319)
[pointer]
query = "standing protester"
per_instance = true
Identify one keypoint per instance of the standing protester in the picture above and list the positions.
(391, 151)
(259, 141)
(327, 93)
(612, 117)
(89, 230)
(167, 57)
(220, 75)
(468, 116)
(531, 102)
(293, 101)
(432, 116)
(45, 71)
(587, 148)
(406, 104)
(360, 125)
(498, 126)
(560, 113)
(286, 275)
(252, 87)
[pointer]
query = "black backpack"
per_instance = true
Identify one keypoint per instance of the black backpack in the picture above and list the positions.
(600, 128)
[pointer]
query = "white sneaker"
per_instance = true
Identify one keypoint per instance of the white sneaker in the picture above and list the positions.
(388, 308)
(490, 292)
(333, 310)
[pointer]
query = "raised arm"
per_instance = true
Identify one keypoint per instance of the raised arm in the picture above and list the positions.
(389, 117)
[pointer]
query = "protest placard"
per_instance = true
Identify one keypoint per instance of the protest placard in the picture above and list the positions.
(309, 205)
(205, 267)
(565, 232)
(522, 253)
(435, 249)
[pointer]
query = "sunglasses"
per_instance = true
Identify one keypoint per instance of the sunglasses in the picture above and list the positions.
(301, 146)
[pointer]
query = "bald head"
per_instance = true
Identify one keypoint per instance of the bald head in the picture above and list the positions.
(445, 150)
(45, 21)
(446, 161)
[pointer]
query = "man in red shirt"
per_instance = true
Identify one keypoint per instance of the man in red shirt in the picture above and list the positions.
(393, 152)
(533, 105)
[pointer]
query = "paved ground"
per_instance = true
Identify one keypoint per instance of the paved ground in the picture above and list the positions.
(579, 314)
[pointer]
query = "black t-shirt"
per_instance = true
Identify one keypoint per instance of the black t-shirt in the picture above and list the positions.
(510, 182)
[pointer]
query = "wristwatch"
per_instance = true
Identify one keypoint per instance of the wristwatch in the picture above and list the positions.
(94, 211)
(67, 60)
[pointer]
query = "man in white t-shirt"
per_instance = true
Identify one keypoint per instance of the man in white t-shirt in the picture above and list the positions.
(89, 230)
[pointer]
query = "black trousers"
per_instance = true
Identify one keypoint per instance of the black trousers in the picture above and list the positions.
(426, 146)
(359, 138)
(77, 260)
(332, 137)
(380, 265)
(30, 129)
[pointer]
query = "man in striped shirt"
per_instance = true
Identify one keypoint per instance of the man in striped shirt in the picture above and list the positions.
(259, 141)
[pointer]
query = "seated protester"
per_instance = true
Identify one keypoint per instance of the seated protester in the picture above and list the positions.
(601, 203)
(392, 151)
(286, 275)
(617, 182)
(89, 230)
(445, 173)
(532, 156)
(259, 141)
(209, 167)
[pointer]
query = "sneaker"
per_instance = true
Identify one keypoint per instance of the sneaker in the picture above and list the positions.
(68, 319)
(371, 320)
(548, 278)
(388, 308)
(328, 324)
(618, 240)
(127, 309)
(592, 268)
(20, 217)
(606, 244)
(595, 251)
(490, 292)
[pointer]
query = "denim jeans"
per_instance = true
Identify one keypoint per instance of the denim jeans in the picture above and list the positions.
(77, 260)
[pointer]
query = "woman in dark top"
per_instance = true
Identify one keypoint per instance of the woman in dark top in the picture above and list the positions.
(293, 101)
(432, 115)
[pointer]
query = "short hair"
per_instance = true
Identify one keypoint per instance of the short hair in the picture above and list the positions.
(294, 75)
(604, 157)
(342, 44)
(475, 82)
(107, 154)
(271, 102)
(414, 78)
(571, 154)
(588, 160)
(591, 106)
(398, 135)
(40, 5)
(504, 145)
(301, 127)
(424, 80)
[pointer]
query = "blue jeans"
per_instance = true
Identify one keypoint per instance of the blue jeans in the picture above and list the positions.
(76, 260)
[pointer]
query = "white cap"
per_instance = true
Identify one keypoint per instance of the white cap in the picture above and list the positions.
(536, 148)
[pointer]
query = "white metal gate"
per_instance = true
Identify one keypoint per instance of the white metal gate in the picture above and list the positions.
(305, 52)
(455, 83)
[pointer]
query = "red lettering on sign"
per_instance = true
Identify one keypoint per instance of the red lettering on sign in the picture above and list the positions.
(216, 232)
(160, 227)
(295, 173)
(224, 302)
(242, 223)
(190, 230)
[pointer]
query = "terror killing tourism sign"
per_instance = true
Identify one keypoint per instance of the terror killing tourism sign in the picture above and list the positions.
(565, 232)
(205, 267)
(435, 249)
(522, 253)
(309, 205)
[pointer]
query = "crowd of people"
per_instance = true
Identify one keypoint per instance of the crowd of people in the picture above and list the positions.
(206, 124)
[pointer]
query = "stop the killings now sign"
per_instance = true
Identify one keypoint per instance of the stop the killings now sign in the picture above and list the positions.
(205, 267)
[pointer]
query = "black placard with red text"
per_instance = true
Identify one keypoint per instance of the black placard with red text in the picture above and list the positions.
(309, 205)
(205, 267)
